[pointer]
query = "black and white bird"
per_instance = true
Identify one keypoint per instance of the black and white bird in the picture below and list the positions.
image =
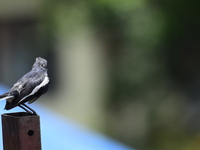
(29, 88)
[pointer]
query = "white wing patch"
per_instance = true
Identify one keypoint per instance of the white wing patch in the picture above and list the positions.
(44, 82)
(8, 98)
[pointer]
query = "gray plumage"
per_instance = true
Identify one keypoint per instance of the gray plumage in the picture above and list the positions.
(29, 88)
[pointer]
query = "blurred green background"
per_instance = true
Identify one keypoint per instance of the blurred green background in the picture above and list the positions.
(128, 69)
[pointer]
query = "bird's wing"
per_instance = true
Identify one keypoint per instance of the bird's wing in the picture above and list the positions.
(21, 83)
(17, 88)
(33, 85)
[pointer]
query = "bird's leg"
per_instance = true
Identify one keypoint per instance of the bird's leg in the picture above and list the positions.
(34, 113)
(27, 111)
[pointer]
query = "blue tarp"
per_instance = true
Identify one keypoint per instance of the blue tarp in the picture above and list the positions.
(57, 134)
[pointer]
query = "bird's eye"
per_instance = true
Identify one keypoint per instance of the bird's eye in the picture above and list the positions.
(42, 66)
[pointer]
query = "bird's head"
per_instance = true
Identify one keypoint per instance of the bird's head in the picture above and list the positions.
(40, 62)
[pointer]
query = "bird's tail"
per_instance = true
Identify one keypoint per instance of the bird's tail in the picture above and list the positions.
(5, 96)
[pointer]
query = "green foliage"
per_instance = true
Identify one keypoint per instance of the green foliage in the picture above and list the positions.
(143, 41)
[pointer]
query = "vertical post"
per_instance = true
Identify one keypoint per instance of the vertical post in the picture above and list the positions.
(21, 131)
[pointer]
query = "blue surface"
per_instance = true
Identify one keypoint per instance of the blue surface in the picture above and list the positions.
(57, 134)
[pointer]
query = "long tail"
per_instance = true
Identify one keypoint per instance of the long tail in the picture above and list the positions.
(5, 96)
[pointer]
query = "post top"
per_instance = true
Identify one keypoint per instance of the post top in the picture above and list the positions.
(18, 115)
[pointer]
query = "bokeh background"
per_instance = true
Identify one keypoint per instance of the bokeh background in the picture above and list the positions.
(129, 69)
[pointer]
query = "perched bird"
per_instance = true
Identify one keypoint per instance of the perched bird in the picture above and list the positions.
(29, 88)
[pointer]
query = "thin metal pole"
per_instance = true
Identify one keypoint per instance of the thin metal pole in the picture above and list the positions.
(21, 131)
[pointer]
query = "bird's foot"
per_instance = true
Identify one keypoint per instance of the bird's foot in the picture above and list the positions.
(30, 111)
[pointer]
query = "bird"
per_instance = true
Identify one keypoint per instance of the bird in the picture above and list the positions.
(28, 88)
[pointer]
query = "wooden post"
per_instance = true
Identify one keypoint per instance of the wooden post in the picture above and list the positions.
(21, 131)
